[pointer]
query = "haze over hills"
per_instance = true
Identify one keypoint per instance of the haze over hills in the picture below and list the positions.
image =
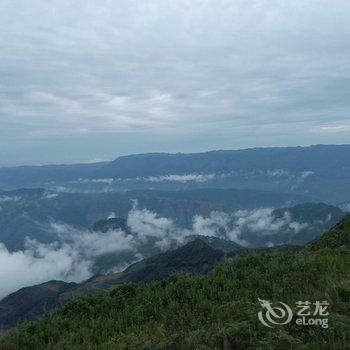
(244, 216)
(32, 212)
(321, 171)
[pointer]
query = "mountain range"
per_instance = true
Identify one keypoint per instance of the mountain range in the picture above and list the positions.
(320, 171)
(28, 213)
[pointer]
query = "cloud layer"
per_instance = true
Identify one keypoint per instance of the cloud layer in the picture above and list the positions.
(72, 256)
(124, 77)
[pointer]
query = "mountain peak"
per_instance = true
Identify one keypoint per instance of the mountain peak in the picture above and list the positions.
(111, 224)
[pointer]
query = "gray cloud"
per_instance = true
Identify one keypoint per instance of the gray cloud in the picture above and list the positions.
(138, 76)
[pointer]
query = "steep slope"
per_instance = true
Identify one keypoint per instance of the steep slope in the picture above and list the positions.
(337, 237)
(30, 302)
(196, 257)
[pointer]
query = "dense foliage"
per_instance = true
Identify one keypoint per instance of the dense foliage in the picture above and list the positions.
(214, 311)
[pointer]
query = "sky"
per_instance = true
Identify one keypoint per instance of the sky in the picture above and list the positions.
(90, 80)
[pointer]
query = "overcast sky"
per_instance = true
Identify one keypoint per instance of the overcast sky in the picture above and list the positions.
(95, 79)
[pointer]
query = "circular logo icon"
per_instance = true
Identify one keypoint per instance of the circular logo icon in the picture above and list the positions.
(277, 314)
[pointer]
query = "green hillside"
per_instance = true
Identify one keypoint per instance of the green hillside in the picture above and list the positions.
(218, 310)
(30, 302)
(337, 237)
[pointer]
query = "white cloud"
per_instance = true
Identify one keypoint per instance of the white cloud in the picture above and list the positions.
(37, 264)
(306, 174)
(146, 224)
(182, 178)
(112, 216)
(108, 181)
(345, 207)
(91, 244)
(50, 195)
(70, 258)
(235, 226)
(4, 199)
(278, 173)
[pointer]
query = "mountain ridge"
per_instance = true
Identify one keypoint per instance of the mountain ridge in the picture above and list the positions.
(322, 171)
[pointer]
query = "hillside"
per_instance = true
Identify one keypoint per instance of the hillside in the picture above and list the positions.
(218, 310)
(30, 302)
(337, 237)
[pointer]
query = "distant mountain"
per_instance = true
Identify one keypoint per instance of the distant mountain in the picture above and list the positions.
(196, 257)
(30, 214)
(287, 158)
(222, 244)
(38, 176)
(321, 171)
(110, 224)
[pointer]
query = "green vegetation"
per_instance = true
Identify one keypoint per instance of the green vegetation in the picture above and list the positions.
(338, 236)
(218, 310)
